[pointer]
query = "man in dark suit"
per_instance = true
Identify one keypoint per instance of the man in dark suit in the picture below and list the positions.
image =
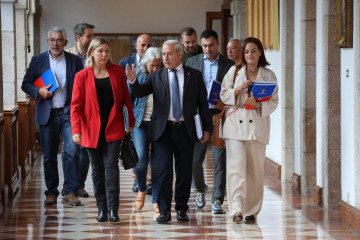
(143, 42)
(213, 66)
(53, 115)
(178, 93)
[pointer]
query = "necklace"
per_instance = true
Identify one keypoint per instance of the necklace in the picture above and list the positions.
(252, 71)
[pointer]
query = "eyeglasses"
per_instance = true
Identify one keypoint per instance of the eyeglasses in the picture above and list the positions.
(53, 40)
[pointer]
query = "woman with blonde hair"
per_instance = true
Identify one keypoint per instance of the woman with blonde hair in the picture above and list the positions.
(99, 94)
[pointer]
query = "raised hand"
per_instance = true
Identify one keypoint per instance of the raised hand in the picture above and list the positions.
(130, 73)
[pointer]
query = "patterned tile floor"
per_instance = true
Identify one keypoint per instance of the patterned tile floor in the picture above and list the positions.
(284, 215)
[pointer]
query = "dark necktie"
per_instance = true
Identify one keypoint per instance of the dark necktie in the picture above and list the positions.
(176, 107)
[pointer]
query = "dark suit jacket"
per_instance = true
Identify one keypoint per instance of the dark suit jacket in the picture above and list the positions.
(194, 97)
(225, 64)
(128, 60)
(38, 65)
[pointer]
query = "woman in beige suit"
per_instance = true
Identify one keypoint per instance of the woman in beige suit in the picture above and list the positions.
(246, 132)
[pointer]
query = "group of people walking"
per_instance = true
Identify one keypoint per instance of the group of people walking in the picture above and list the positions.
(162, 89)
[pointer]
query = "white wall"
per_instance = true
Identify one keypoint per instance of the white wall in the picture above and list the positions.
(320, 43)
(297, 87)
(136, 16)
(347, 127)
(274, 149)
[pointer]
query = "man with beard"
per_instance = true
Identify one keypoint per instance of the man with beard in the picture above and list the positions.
(188, 39)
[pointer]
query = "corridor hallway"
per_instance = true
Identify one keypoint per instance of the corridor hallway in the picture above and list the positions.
(284, 215)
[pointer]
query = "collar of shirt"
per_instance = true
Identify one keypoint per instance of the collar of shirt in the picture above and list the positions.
(83, 58)
(216, 59)
(61, 56)
(137, 60)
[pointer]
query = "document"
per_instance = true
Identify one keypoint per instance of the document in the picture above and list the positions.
(262, 91)
(214, 92)
(198, 125)
(126, 118)
(46, 79)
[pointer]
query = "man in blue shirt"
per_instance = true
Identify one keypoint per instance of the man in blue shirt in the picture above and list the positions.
(53, 115)
(213, 66)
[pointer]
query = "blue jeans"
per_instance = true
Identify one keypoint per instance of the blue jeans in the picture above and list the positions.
(49, 137)
(142, 144)
(84, 163)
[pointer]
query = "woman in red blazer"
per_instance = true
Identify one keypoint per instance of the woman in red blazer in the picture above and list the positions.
(99, 93)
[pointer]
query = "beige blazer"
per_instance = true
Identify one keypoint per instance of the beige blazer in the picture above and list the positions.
(72, 50)
(244, 124)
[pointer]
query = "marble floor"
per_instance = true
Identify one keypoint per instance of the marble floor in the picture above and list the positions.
(284, 215)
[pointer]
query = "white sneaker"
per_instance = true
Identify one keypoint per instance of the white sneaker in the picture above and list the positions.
(200, 200)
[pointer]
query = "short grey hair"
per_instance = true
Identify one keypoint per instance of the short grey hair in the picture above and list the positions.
(95, 43)
(58, 29)
(176, 43)
(150, 54)
(236, 40)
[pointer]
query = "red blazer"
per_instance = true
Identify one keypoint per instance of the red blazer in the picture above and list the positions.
(85, 113)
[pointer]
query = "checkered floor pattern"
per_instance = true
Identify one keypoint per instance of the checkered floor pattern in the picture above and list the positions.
(284, 215)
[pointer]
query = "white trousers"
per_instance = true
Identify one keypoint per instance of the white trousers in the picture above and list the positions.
(245, 176)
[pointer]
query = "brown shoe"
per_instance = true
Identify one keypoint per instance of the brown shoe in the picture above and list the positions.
(50, 200)
(71, 199)
(139, 202)
(82, 193)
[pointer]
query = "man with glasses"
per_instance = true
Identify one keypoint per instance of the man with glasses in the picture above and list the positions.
(53, 115)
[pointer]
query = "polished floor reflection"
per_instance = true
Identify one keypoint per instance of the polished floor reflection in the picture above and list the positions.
(284, 215)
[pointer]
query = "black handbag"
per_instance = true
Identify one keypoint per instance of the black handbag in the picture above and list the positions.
(128, 155)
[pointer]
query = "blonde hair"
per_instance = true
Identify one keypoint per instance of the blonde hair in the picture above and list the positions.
(95, 43)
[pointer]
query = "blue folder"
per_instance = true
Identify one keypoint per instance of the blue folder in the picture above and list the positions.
(214, 92)
(263, 89)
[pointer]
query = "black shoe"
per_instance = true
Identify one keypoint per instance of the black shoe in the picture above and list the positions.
(249, 219)
(113, 216)
(182, 216)
(149, 189)
(102, 216)
(164, 217)
(237, 218)
(135, 187)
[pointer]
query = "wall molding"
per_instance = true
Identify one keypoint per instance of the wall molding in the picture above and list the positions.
(350, 216)
(272, 168)
(295, 180)
(317, 196)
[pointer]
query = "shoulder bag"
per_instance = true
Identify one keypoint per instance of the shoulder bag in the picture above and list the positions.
(128, 156)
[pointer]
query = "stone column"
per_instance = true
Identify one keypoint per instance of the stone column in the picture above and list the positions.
(331, 113)
(238, 11)
(21, 45)
(8, 52)
(308, 96)
(287, 89)
(356, 41)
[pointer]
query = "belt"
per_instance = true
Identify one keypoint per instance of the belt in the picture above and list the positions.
(178, 123)
(57, 109)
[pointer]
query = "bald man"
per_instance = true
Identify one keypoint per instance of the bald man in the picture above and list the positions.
(233, 50)
(143, 42)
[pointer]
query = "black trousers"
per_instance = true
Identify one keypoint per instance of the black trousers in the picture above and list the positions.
(105, 174)
(176, 144)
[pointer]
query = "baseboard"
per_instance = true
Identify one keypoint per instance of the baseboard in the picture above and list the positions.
(350, 216)
(272, 168)
(317, 196)
(295, 182)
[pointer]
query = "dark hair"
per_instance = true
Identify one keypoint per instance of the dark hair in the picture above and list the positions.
(187, 31)
(262, 60)
(209, 33)
(79, 28)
